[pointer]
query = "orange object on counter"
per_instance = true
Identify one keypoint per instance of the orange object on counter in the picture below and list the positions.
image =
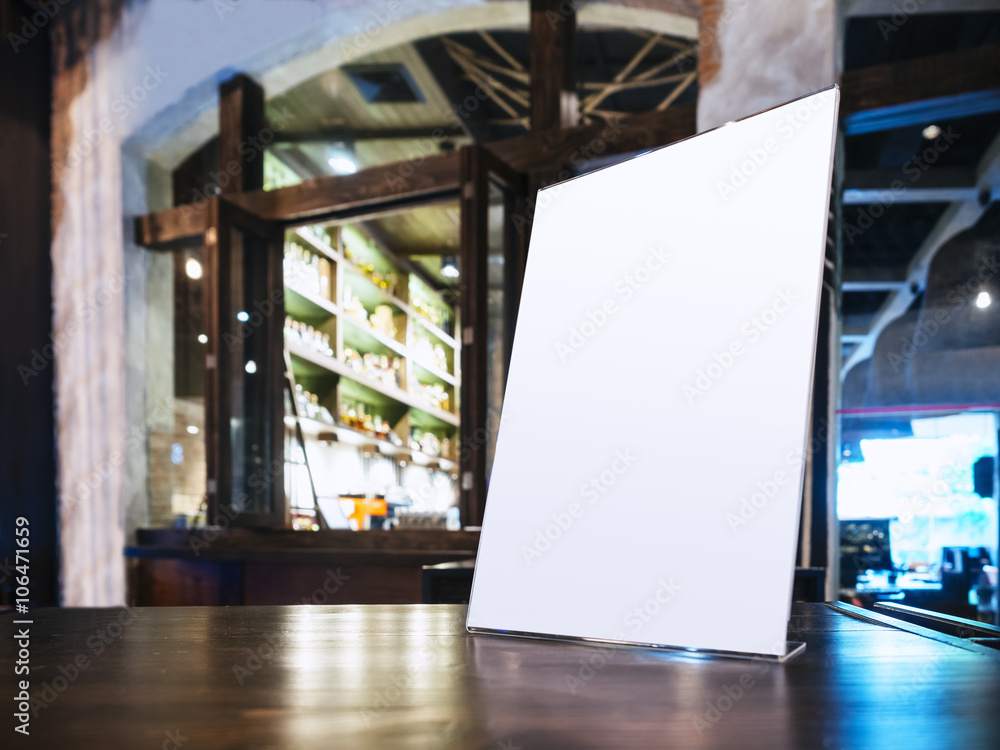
(361, 509)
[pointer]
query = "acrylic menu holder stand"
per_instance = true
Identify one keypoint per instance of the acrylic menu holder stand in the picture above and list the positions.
(648, 473)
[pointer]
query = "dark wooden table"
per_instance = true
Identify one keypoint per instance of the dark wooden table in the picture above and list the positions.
(409, 676)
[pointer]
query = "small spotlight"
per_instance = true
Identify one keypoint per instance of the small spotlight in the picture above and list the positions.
(251, 366)
(449, 267)
(193, 268)
(242, 316)
(193, 429)
(931, 132)
(202, 338)
(342, 165)
(983, 300)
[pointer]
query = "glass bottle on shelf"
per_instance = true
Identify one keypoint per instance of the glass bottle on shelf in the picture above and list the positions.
(325, 274)
(301, 400)
(314, 275)
(324, 413)
(313, 412)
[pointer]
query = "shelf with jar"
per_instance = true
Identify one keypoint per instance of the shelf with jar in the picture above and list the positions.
(434, 399)
(363, 419)
(352, 312)
(371, 280)
(341, 272)
(372, 372)
(431, 312)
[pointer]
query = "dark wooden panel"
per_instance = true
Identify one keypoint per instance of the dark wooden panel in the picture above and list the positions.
(553, 65)
(192, 180)
(266, 583)
(323, 195)
(373, 677)
(371, 134)
(924, 78)
(430, 176)
(333, 540)
(162, 229)
(185, 583)
(473, 337)
(585, 142)
(30, 348)
(241, 125)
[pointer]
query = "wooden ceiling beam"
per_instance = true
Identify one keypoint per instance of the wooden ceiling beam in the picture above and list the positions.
(921, 90)
(334, 135)
(432, 176)
(586, 142)
(469, 114)
(163, 229)
(398, 181)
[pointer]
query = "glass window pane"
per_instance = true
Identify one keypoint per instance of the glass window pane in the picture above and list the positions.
(175, 386)
(248, 349)
(496, 310)
(916, 490)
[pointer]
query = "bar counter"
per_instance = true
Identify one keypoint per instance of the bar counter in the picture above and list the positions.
(205, 567)
(410, 676)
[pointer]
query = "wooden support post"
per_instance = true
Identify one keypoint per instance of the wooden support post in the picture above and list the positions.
(241, 123)
(553, 64)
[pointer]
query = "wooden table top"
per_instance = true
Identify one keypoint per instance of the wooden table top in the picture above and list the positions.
(410, 676)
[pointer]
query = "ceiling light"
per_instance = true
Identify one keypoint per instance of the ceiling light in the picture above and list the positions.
(193, 268)
(242, 316)
(342, 165)
(193, 429)
(931, 132)
(202, 338)
(983, 300)
(449, 267)
(251, 366)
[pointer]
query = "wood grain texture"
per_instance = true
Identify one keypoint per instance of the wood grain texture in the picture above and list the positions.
(553, 65)
(241, 126)
(436, 175)
(185, 583)
(333, 540)
(410, 676)
(398, 181)
(161, 229)
(920, 79)
(585, 142)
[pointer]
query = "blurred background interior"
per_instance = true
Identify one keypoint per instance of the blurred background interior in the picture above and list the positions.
(263, 261)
